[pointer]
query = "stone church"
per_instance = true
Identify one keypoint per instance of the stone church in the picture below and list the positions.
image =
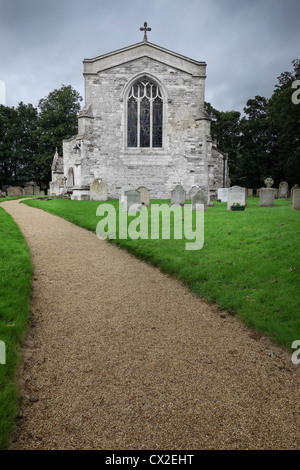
(143, 124)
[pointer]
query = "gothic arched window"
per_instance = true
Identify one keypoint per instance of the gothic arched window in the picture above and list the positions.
(145, 115)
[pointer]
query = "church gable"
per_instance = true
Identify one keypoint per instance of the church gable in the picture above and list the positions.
(141, 50)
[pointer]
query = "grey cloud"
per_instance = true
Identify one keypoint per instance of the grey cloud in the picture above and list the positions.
(246, 44)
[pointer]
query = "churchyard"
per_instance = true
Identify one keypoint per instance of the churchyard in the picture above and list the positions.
(248, 265)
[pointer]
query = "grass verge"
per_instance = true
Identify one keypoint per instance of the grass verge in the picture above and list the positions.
(250, 261)
(15, 286)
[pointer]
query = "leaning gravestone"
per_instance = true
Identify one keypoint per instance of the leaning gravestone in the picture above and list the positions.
(178, 195)
(144, 195)
(283, 190)
(133, 199)
(123, 190)
(98, 190)
(267, 197)
(223, 194)
(296, 199)
(237, 195)
(199, 198)
(292, 190)
(193, 191)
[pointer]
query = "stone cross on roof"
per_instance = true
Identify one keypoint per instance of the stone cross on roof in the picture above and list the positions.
(145, 29)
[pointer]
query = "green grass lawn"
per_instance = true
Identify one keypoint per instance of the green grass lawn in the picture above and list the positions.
(15, 285)
(250, 261)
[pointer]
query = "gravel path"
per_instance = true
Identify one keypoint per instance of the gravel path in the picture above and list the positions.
(120, 356)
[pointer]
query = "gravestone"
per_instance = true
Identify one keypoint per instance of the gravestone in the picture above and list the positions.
(193, 191)
(283, 190)
(267, 197)
(236, 194)
(15, 191)
(145, 195)
(133, 199)
(29, 190)
(199, 198)
(294, 187)
(250, 192)
(223, 194)
(257, 192)
(123, 190)
(178, 195)
(36, 190)
(296, 199)
(98, 190)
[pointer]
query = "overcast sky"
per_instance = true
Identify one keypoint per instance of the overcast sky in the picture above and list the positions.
(245, 43)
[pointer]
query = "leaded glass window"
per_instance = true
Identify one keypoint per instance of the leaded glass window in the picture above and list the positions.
(145, 115)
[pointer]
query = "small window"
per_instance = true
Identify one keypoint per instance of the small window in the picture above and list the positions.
(145, 115)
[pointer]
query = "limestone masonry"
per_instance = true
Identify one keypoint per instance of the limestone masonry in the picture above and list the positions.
(171, 139)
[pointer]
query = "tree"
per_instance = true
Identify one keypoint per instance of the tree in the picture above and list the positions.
(284, 117)
(57, 121)
(225, 131)
(18, 145)
(255, 162)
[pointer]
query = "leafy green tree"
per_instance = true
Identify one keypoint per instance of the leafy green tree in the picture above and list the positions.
(57, 121)
(18, 144)
(225, 131)
(284, 118)
(256, 143)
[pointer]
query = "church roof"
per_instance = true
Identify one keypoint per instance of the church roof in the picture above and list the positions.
(139, 50)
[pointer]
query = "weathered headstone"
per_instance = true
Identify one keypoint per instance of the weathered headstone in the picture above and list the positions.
(29, 190)
(267, 197)
(15, 191)
(237, 195)
(283, 190)
(199, 198)
(250, 192)
(133, 199)
(145, 195)
(98, 190)
(292, 190)
(178, 195)
(296, 199)
(123, 190)
(223, 194)
(257, 192)
(193, 191)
